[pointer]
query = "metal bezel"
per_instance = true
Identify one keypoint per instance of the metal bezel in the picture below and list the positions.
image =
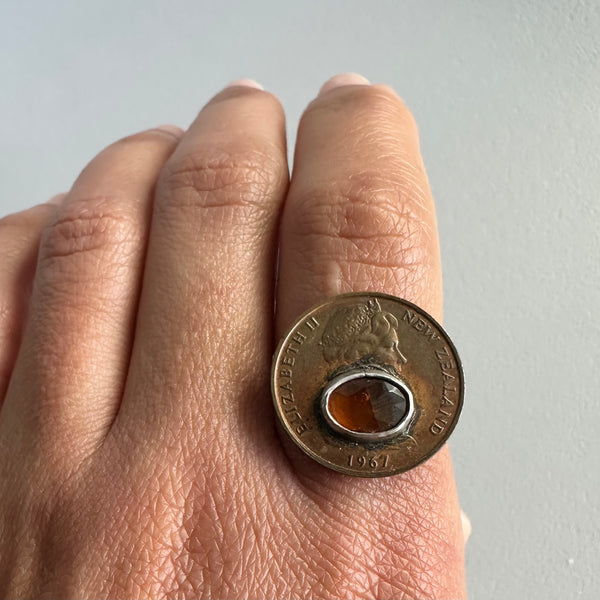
(377, 437)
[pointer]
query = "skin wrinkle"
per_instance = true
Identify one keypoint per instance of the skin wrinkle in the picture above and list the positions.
(319, 573)
(216, 517)
(412, 534)
(350, 217)
(151, 528)
(90, 224)
(355, 274)
(214, 169)
(196, 337)
(272, 503)
(40, 519)
(197, 377)
(50, 449)
(235, 182)
(160, 516)
(407, 179)
(336, 576)
(371, 560)
(351, 232)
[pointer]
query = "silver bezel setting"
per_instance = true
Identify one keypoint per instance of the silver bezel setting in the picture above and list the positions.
(379, 436)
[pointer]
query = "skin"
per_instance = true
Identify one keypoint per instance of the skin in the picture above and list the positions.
(139, 454)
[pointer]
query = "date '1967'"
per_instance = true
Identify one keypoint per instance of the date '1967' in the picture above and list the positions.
(374, 462)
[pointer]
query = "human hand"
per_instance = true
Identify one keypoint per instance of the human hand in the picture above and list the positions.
(138, 450)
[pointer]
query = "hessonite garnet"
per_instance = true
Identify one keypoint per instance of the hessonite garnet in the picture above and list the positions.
(367, 405)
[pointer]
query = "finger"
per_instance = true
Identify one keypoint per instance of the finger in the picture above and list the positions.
(360, 216)
(205, 320)
(19, 240)
(70, 371)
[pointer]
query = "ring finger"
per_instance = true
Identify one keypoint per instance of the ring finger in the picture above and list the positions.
(19, 239)
(75, 350)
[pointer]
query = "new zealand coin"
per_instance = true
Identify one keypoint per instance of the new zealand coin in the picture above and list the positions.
(367, 384)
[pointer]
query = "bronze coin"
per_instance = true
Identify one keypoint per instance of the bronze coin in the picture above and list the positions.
(367, 384)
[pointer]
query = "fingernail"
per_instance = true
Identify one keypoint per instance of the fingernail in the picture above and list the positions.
(172, 129)
(245, 83)
(58, 199)
(343, 79)
(466, 526)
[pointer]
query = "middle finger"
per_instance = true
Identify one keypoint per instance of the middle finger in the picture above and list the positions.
(203, 335)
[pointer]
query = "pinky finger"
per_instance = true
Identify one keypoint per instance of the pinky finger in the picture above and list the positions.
(19, 241)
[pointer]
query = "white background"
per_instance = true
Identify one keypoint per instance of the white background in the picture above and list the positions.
(507, 96)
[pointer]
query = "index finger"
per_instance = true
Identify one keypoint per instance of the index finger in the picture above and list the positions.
(360, 216)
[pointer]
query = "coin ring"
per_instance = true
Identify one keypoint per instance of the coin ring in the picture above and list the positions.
(367, 331)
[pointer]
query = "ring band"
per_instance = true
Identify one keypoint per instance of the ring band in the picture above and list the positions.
(367, 384)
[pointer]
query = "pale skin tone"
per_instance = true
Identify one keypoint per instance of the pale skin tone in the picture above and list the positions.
(139, 455)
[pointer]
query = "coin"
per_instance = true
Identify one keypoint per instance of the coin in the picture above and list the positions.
(367, 384)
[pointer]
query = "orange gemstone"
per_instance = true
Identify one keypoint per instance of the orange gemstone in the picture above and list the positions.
(367, 405)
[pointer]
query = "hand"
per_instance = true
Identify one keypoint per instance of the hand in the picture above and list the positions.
(138, 450)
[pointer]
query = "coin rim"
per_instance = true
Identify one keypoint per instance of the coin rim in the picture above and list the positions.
(312, 453)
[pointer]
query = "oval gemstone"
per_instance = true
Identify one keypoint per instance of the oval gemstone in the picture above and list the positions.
(367, 405)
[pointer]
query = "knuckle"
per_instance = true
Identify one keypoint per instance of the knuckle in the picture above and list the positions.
(10, 223)
(379, 217)
(20, 223)
(234, 179)
(371, 229)
(127, 158)
(87, 225)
